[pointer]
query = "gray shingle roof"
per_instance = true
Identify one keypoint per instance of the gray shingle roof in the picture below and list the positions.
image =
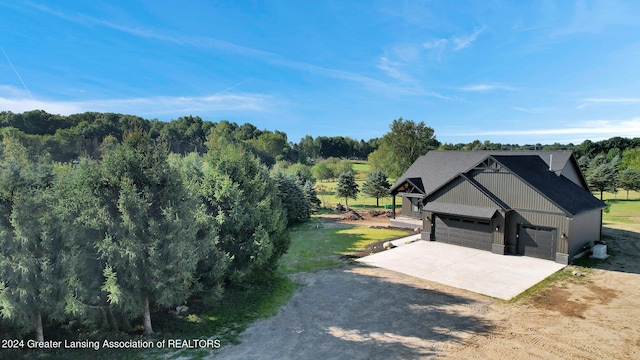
(437, 168)
(558, 189)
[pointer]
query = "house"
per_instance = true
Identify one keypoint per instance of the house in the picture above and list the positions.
(532, 203)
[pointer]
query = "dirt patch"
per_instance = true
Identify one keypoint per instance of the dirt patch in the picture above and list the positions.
(351, 216)
(560, 300)
(372, 218)
(573, 297)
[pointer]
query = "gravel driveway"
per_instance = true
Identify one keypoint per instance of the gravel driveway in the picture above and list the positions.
(359, 312)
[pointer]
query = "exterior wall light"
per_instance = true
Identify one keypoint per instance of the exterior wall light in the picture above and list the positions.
(497, 227)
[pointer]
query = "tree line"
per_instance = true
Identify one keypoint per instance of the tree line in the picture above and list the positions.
(68, 137)
(107, 240)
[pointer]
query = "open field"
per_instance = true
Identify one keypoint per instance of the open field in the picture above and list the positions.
(330, 200)
(622, 211)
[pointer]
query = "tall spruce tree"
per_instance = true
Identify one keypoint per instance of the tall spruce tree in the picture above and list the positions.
(292, 197)
(377, 185)
(347, 187)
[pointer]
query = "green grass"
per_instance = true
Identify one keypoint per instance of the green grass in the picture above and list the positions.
(361, 169)
(315, 248)
(622, 211)
(620, 195)
(363, 201)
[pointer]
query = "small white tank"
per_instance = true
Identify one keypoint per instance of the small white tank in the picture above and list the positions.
(599, 252)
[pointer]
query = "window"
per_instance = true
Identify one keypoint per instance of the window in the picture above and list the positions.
(416, 205)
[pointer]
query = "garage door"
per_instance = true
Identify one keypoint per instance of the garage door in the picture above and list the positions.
(537, 242)
(467, 232)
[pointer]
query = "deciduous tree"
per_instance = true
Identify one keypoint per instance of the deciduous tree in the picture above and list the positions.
(402, 146)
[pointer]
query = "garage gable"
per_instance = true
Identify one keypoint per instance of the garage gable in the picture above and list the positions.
(464, 190)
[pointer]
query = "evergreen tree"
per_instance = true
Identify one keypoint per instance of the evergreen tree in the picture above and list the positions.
(84, 220)
(33, 255)
(629, 179)
(292, 197)
(311, 195)
(238, 192)
(377, 185)
(602, 178)
(347, 187)
(150, 247)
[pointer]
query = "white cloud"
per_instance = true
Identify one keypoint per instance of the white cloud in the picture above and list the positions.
(531, 110)
(151, 106)
(27, 104)
(593, 101)
(436, 44)
(593, 128)
(391, 68)
(486, 87)
(464, 42)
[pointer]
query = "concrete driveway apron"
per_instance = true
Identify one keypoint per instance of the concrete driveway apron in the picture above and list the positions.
(500, 276)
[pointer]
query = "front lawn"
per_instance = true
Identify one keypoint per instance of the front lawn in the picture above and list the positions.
(316, 245)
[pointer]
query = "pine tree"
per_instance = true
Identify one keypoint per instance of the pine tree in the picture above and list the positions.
(312, 196)
(377, 185)
(347, 187)
(629, 179)
(293, 197)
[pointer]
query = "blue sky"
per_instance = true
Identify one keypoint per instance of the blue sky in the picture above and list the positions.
(505, 71)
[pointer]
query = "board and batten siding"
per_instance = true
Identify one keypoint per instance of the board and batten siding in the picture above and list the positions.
(407, 208)
(515, 192)
(584, 229)
(569, 171)
(523, 217)
(460, 191)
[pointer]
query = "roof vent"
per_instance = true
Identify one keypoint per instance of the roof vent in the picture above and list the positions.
(550, 162)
